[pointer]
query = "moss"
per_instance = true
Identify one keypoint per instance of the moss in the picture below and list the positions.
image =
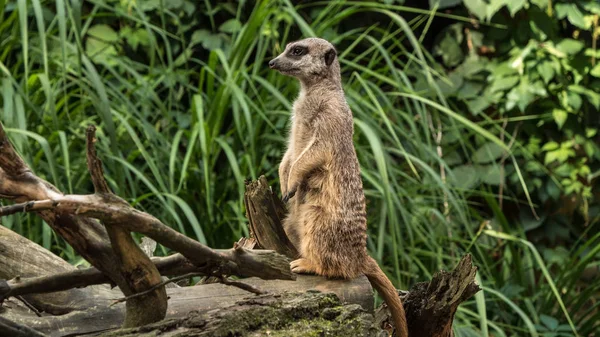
(295, 314)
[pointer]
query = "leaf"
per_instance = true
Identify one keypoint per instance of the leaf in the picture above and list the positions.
(464, 177)
(550, 146)
(452, 158)
(472, 66)
(546, 70)
(550, 322)
(572, 13)
(487, 153)
(478, 104)
(522, 95)
(592, 96)
(551, 49)
(515, 5)
(231, 26)
(570, 46)
(208, 40)
(100, 51)
(595, 71)
(135, 37)
(494, 6)
(574, 101)
(552, 189)
(491, 174)
(449, 89)
(543, 4)
(477, 7)
(590, 132)
(561, 155)
(104, 33)
(560, 117)
(443, 3)
(448, 46)
(469, 89)
(592, 6)
(504, 83)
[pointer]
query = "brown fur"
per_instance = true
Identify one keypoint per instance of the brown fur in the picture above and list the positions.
(320, 176)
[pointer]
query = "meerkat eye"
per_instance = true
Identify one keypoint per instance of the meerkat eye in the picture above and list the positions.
(298, 51)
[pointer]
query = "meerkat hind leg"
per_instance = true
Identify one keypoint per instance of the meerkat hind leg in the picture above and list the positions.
(303, 266)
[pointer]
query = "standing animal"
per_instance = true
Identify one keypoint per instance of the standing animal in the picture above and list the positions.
(320, 176)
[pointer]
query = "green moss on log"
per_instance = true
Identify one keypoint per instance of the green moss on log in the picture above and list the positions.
(306, 314)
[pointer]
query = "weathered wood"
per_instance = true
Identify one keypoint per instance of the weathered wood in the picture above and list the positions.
(292, 314)
(22, 280)
(201, 298)
(24, 258)
(239, 261)
(219, 310)
(70, 216)
(265, 213)
(13, 329)
(138, 272)
(94, 311)
(430, 306)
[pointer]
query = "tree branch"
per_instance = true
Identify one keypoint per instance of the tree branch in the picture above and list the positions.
(138, 272)
(237, 261)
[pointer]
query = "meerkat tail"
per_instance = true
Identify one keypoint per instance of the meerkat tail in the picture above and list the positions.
(386, 289)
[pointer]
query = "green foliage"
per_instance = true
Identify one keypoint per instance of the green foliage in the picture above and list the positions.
(534, 83)
(187, 109)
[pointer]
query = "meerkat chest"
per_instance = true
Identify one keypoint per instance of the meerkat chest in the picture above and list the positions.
(302, 131)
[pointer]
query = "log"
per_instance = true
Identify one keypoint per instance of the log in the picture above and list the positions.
(430, 307)
(291, 314)
(201, 298)
(90, 309)
(25, 259)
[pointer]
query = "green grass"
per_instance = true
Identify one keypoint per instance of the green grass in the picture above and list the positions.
(180, 130)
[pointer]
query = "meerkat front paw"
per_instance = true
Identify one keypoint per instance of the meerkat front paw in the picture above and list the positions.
(303, 266)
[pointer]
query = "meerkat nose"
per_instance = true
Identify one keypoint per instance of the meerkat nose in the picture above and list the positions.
(272, 64)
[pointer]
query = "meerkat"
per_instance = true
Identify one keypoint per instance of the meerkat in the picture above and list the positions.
(320, 176)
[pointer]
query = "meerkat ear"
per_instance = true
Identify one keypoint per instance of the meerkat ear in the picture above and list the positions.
(330, 56)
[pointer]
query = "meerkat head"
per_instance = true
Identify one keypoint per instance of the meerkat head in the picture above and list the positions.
(310, 60)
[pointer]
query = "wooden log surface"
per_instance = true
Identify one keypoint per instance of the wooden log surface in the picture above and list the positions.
(85, 310)
(290, 314)
(20, 257)
(200, 298)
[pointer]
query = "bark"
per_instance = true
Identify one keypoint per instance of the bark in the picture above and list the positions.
(265, 213)
(138, 272)
(430, 306)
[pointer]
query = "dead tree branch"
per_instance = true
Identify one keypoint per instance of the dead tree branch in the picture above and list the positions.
(109, 247)
(139, 273)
